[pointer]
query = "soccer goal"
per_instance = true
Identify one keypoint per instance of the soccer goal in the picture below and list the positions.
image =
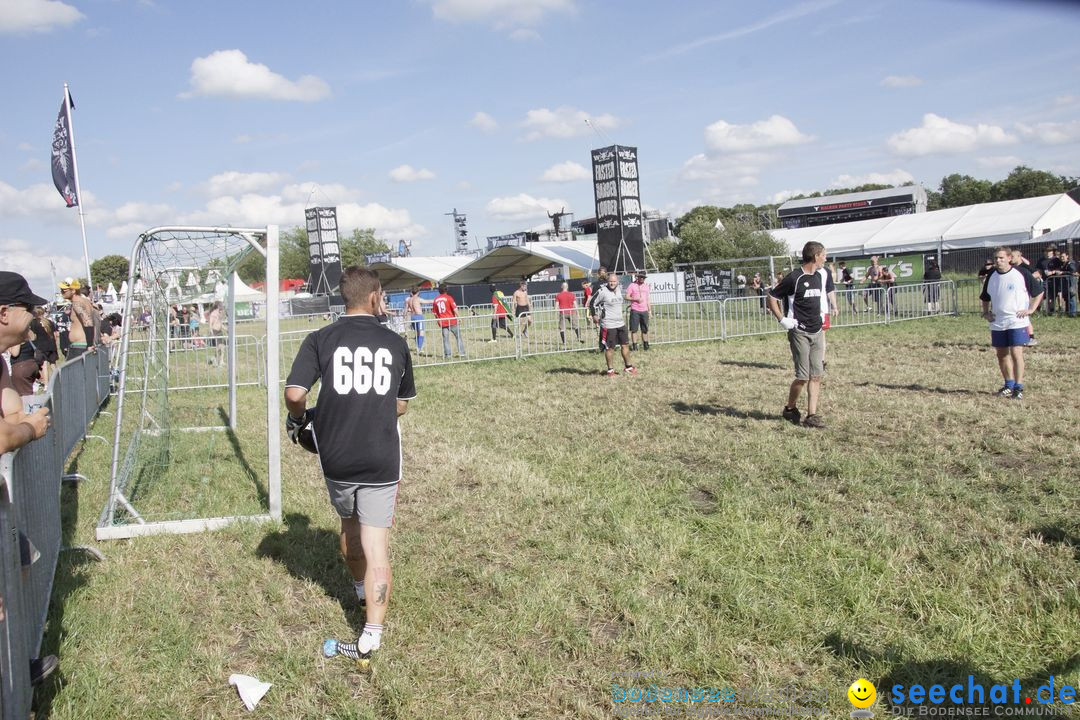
(197, 444)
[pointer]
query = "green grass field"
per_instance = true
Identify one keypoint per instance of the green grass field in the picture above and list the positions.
(558, 532)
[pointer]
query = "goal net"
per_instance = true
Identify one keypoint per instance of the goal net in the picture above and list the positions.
(197, 441)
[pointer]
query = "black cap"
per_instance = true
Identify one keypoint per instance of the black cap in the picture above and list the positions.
(15, 291)
(641, 274)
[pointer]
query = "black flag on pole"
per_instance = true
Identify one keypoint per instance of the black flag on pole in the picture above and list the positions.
(63, 160)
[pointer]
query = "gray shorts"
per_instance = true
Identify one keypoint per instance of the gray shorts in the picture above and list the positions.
(808, 353)
(373, 506)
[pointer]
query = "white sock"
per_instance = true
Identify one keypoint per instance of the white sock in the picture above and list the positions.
(370, 639)
(358, 585)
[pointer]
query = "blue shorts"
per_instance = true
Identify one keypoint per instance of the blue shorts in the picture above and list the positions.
(417, 322)
(1010, 338)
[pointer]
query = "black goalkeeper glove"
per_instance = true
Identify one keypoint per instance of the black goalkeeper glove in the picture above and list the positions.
(294, 425)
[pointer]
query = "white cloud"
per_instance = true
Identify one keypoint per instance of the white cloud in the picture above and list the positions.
(564, 122)
(37, 199)
(1064, 100)
(525, 35)
(484, 122)
(999, 161)
(29, 260)
(565, 172)
(25, 147)
(228, 73)
(241, 139)
(287, 210)
(523, 207)
(501, 14)
(19, 16)
(901, 81)
(238, 183)
(32, 164)
(776, 131)
(896, 177)
(1051, 133)
(406, 173)
(939, 135)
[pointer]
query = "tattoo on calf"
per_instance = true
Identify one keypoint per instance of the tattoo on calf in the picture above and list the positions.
(380, 594)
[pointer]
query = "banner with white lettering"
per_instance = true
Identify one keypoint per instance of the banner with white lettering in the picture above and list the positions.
(323, 250)
(619, 237)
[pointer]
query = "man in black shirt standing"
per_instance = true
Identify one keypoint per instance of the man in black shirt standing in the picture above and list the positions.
(808, 293)
(367, 381)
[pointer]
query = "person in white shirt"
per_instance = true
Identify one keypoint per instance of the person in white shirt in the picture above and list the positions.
(1014, 294)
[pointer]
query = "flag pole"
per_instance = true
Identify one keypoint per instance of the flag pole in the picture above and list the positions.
(78, 190)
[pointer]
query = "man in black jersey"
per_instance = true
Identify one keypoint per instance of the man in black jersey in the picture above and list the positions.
(807, 293)
(367, 381)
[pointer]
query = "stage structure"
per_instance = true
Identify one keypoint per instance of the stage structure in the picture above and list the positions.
(851, 207)
(619, 236)
(181, 461)
(461, 233)
(324, 250)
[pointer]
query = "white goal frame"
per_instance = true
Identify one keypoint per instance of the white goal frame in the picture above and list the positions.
(106, 530)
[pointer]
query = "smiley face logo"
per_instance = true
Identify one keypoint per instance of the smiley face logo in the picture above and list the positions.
(862, 693)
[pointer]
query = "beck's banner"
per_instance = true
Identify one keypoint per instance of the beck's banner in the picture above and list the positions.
(323, 250)
(63, 157)
(618, 208)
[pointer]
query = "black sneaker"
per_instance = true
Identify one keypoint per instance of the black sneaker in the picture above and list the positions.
(792, 415)
(814, 421)
(1004, 391)
(41, 668)
(645, 345)
(633, 347)
(1017, 394)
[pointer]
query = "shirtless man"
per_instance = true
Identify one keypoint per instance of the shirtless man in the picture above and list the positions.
(414, 308)
(522, 312)
(81, 313)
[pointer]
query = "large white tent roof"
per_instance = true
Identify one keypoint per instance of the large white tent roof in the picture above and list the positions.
(983, 225)
(518, 261)
(403, 272)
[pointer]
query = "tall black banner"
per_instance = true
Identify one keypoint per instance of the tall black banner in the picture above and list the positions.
(324, 252)
(618, 208)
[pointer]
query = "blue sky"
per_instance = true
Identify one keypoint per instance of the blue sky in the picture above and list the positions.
(397, 112)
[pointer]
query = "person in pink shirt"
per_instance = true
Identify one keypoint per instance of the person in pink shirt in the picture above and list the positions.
(565, 301)
(638, 295)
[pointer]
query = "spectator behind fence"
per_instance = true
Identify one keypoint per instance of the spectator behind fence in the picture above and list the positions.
(17, 304)
(45, 340)
(1068, 280)
(81, 315)
(18, 428)
(1049, 267)
(986, 269)
(848, 281)
(25, 369)
(873, 284)
(932, 292)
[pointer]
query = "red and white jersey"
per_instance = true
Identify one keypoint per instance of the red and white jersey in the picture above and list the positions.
(445, 310)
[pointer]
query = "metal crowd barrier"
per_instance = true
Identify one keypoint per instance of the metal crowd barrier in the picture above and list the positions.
(30, 507)
(672, 322)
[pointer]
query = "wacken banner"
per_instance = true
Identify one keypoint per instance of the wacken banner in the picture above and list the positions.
(618, 208)
(324, 252)
(372, 258)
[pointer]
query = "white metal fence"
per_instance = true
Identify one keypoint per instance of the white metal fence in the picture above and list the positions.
(485, 336)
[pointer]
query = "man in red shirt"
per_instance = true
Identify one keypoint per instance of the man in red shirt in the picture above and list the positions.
(445, 310)
(502, 310)
(565, 301)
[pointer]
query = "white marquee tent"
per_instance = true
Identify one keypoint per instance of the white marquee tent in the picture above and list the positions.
(972, 226)
(513, 262)
(403, 272)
